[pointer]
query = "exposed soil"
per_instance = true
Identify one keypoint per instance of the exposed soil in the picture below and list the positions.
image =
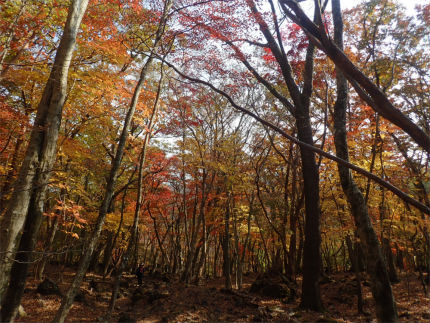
(165, 299)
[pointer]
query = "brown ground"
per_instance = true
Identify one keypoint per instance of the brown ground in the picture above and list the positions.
(209, 302)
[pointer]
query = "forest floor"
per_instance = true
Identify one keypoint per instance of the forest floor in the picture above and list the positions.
(172, 301)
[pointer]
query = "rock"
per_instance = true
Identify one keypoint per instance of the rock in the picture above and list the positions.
(405, 315)
(80, 297)
(125, 318)
(124, 284)
(326, 280)
(21, 312)
(99, 286)
(149, 295)
(366, 283)
(48, 287)
(272, 286)
(156, 294)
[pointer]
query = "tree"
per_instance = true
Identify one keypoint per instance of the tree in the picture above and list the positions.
(367, 90)
(385, 306)
(92, 241)
(26, 204)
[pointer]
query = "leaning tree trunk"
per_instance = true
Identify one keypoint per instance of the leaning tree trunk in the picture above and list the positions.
(91, 243)
(26, 204)
(94, 237)
(380, 284)
(365, 88)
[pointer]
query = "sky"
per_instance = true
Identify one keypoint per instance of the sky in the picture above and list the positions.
(409, 4)
(345, 4)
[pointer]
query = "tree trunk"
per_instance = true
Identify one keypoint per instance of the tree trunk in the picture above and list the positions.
(365, 88)
(26, 203)
(353, 256)
(10, 174)
(226, 247)
(311, 297)
(92, 241)
(389, 258)
(48, 246)
(380, 284)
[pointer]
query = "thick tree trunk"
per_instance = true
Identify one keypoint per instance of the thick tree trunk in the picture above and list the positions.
(311, 297)
(26, 203)
(380, 284)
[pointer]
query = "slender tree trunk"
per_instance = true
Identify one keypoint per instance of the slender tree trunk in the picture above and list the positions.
(48, 246)
(380, 284)
(389, 258)
(92, 241)
(126, 256)
(10, 174)
(26, 204)
(226, 246)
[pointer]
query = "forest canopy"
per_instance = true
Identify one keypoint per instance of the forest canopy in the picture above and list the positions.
(214, 139)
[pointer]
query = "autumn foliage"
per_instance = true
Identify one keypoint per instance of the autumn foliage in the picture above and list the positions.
(221, 193)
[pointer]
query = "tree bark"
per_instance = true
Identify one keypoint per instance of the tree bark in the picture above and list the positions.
(226, 246)
(48, 246)
(311, 297)
(380, 284)
(26, 204)
(353, 256)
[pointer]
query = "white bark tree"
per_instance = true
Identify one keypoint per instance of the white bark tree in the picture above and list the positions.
(29, 191)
